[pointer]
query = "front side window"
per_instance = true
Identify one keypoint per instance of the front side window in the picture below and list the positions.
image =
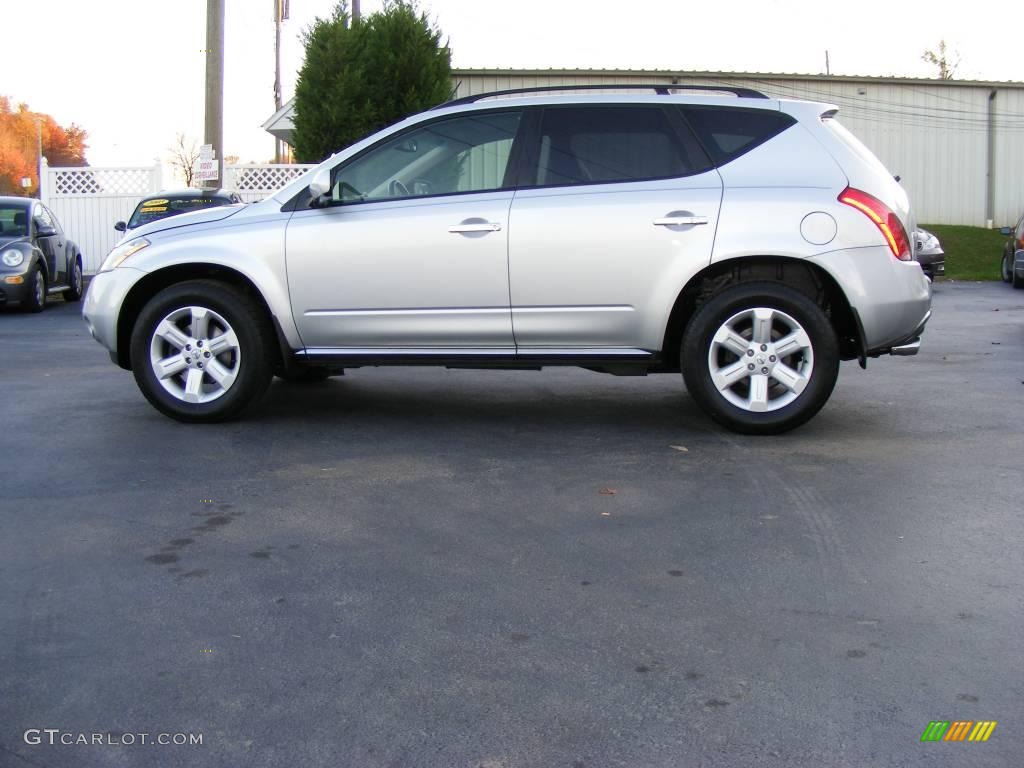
(468, 153)
(600, 145)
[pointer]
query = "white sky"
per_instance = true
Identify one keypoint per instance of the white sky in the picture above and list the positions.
(131, 72)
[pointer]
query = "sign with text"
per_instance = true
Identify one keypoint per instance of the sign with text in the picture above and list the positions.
(207, 170)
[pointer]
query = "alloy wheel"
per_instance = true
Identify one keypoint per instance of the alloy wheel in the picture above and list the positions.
(195, 354)
(760, 359)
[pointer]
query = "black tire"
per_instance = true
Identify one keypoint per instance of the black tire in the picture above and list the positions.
(1018, 282)
(35, 301)
(252, 363)
(727, 305)
(74, 293)
(1004, 269)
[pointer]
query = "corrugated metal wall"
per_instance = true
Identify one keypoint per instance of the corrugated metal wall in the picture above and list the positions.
(933, 135)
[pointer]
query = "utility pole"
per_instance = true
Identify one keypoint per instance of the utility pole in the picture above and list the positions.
(280, 14)
(355, 11)
(214, 133)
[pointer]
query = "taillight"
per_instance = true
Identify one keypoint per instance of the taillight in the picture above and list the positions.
(888, 223)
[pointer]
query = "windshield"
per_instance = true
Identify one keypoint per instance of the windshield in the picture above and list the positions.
(13, 221)
(160, 208)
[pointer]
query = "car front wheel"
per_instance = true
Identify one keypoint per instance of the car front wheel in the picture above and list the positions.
(201, 351)
(36, 299)
(760, 358)
(1004, 269)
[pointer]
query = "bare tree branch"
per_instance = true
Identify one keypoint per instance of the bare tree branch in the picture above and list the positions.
(947, 63)
(184, 156)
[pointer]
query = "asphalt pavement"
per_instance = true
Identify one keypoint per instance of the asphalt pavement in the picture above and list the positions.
(423, 567)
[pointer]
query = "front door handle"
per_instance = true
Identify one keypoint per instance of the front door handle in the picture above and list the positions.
(679, 221)
(475, 226)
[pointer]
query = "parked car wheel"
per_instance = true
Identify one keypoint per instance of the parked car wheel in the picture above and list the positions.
(36, 299)
(760, 358)
(201, 351)
(74, 292)
(1018, 281)
(1005, 269)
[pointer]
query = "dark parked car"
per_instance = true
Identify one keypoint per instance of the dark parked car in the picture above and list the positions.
(36, 257)
(929, 254)
(1012, 266)
(164, 204)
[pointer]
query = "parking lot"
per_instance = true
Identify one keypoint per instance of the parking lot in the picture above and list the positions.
(424, 567)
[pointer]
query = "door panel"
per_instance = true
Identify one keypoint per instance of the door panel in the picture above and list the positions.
(392, 274)
(620, 209)
(589, 267)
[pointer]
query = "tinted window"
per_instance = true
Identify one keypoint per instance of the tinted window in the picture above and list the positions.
(13, 220)
(469, 153)
(728, 132)
(594, 145)
(160, 208)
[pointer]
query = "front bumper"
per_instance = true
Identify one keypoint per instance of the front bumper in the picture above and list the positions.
(12, 294)
(103, 301)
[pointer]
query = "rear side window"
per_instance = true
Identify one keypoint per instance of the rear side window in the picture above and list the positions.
(728, 132)
(601, 145)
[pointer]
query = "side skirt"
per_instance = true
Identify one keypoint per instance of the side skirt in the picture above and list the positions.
(619, 361)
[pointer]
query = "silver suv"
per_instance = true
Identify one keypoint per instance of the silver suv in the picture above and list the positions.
(748, 242)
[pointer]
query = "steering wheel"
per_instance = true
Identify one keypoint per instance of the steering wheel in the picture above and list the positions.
(397, 189)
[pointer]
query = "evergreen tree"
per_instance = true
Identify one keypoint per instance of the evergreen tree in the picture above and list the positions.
(358, 78)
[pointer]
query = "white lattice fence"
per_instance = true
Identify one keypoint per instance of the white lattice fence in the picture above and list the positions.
(255, 182)
(89, 201)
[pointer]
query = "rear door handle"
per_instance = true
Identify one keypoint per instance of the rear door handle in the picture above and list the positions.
(680, 221)
(479, 226)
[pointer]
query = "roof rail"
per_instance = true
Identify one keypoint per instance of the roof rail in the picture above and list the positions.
(662, 89)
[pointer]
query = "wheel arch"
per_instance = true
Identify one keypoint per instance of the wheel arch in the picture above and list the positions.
(154, 282)
(801, 274)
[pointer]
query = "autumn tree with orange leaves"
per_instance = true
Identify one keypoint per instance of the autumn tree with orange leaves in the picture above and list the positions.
(18, 146)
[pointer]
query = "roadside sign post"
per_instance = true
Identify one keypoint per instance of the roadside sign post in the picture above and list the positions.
(208, 168)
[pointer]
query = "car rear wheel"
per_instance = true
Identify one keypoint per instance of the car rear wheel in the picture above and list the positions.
(36, 299)
(760, 358)
(74, 293)
(201, 351)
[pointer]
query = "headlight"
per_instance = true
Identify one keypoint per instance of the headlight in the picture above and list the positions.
(122, 252)
(13, 258)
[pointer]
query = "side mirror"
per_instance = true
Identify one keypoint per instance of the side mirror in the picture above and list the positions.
(44, 231)
(121, 226)
(320, 184)
(1005, 231)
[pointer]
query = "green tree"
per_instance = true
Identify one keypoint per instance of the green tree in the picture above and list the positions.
(358, 78)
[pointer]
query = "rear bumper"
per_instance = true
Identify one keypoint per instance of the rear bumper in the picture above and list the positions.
(891, 299)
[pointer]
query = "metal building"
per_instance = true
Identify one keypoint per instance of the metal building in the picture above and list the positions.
(957, 145)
